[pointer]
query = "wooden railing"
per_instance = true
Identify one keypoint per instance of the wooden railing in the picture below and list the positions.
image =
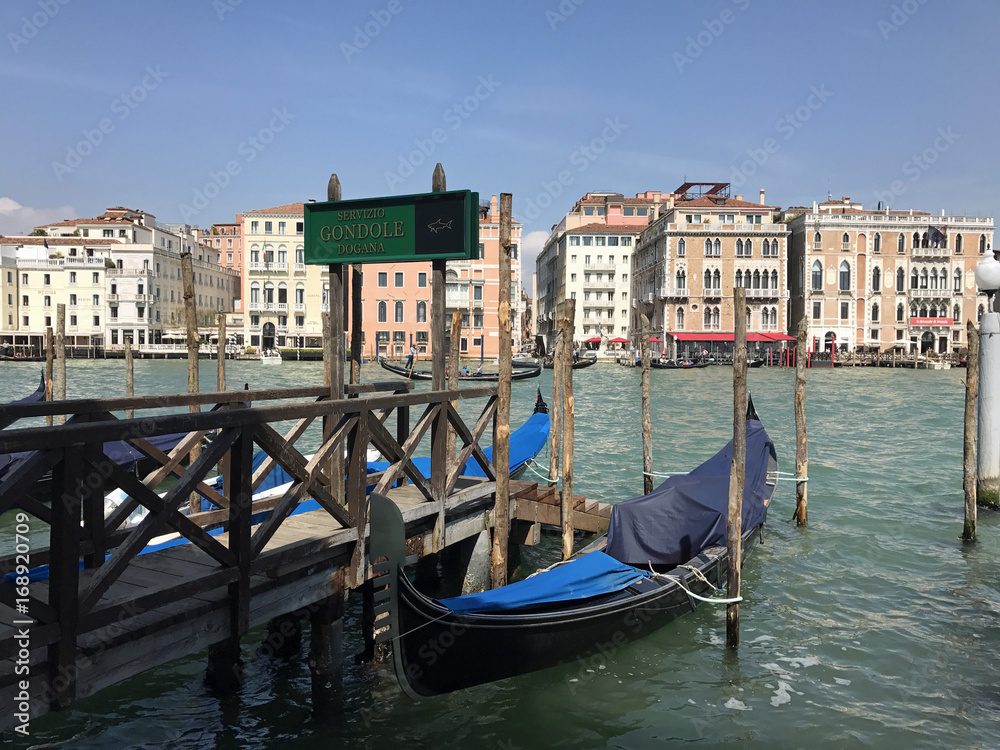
(73, 507)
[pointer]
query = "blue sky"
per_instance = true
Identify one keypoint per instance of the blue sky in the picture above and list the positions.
(196, 110)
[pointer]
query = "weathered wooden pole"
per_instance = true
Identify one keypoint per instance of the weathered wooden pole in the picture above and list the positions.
(49, 356)
(501, 445)
(357, 324)
(801, 443)
(556, 420)
(569, 313)
(647, 419)
(220, 355)
(191, 318)
(129, 378)
(737, 471)
(453, 352)
(969, 446)
(60, 355)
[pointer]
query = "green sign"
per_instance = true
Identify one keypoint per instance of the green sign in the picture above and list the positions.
(398, 228)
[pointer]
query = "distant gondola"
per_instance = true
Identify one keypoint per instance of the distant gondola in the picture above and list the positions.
(484, 377)
(670, 364)
(577, 365)
(662, 551)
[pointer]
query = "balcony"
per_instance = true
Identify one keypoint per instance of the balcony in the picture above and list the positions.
(712, 294)
(676, 292)
(930, 293)
(300, 268)
(603, 267)
(926, 253)
(281, 306)
(113, 297)
(599, 285)
(266, 266)
(300, 307)
(126, 271)
(758, 294)
(264, 306)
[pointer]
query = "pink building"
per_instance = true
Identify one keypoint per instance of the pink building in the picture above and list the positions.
(227, 240)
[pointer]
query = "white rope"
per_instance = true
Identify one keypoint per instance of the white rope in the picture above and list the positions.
(690, 593)
(528, 466)
(662, 473)
(786, 476)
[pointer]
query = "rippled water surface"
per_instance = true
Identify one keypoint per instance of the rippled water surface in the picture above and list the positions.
(874, 626)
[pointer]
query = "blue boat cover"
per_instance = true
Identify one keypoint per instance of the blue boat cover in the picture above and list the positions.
(525, 443)
(591, 575)
(688, 513)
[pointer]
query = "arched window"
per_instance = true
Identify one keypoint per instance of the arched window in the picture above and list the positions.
(739, 280)
(877, 243)
(300, 294)
(715, 317)
(923, 311)
(900, 243)
(916, 239)
(300, 254)
(934, 311)
(923, 279)
(421, 312)
(679, 279)
(749, 325)
(845, 276)
(900, 278)
(765, 248)
(708, 317)
(914, 279)
(268, 253)
(876, 279)
(900, 312)
(924, 240)
(958, 244)
(756, 279)
(717, 278)
(845, 240)
(746, 278)
(913, 310)
(680, 318)
(383, 312)
(764, 278)
(681, 247)
(956, 314)
(875, 313)
(934, 279)
(255, 292)
(739, 248)
(958, 280)
(717, 247)
(817, 275)
(748, 248)
(268, 292)
(817, 241)
(399, 311)
(708, 248)
(774, 279)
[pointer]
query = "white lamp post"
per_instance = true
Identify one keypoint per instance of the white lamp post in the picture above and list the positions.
(988, 421)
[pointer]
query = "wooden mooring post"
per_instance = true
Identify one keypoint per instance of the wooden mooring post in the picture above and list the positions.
(220, 355)
(60, 357)
(969, 442)
(801, 443)
(129, 377)
(647, 419)
(569, 313)
(49, 356)
(454, 347)
(556, 421)
(193, 345)
(737, 472)
(501, 444)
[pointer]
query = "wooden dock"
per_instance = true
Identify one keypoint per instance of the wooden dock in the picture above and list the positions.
(98, 620)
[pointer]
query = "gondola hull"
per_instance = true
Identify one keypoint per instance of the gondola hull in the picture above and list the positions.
(486, 377)
(439, 652)
(578, 365)
(670, 364)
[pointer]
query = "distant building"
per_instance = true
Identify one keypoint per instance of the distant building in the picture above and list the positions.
(587, 257)
(227, 240)
(118, 274)
(688, 262)
(285, 298)
(885, 278)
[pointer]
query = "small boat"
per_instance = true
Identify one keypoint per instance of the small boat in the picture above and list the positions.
(270, 358)
(578, 365)
(476, 377)
(525, 363)
(18, 357)
(664, 552)
(671, 364)
(756, 363)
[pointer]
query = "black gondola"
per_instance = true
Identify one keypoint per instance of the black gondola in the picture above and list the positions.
(483, 377)
(662, 551)
(577, 365)
(671, 364)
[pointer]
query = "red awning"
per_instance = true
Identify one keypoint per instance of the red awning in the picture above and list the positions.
(619, 340)
(593, 340)
(759, 337)
(654, 340)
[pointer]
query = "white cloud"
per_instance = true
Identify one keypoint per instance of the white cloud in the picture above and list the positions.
(16, 219)
(531, 245)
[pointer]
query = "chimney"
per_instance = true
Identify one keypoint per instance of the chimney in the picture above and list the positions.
(494, 211)
(762, 196)
(815, 207)
(846, 199)
(739, 197)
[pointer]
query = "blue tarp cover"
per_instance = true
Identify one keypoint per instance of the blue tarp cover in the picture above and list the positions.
(525, 443)
(688, 513)
(591, 575)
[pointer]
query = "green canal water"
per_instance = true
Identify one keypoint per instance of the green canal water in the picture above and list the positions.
(875, 626)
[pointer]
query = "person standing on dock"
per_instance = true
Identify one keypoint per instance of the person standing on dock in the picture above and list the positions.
(410, 357)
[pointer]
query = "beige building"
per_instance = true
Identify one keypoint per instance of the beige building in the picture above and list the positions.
(688, 262)
(588, 257)
(885, 279)
(120, 277)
